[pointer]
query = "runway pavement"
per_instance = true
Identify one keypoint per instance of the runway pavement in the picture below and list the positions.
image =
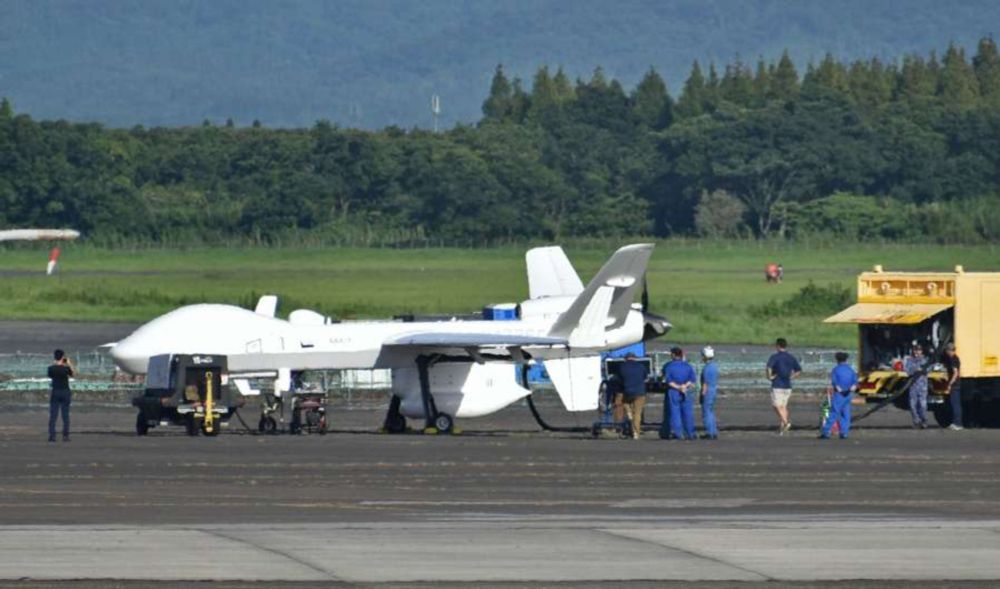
(501, 503)
(41, 337)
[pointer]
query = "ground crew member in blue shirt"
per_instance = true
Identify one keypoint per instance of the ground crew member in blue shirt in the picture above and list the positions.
(709, 386)
(843, 383)
(680, 378)
(633, 376)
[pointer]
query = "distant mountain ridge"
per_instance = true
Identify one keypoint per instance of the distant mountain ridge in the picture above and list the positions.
(373, 63)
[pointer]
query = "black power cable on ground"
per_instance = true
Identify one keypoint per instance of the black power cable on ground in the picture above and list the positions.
(882, 404)
(545, 425)
(236, 412)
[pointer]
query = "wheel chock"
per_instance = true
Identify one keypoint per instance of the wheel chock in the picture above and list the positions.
(431, 431)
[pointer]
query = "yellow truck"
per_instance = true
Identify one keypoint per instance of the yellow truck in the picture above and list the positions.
(896, 310)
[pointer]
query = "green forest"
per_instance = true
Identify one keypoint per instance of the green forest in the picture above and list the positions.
(905, 150)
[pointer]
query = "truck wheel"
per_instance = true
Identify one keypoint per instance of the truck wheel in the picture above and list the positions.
(191, 424)
(141, 424)
(902, 402)
(267, 425)
(942, 414)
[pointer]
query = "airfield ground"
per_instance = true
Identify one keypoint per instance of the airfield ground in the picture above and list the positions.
(501, 503)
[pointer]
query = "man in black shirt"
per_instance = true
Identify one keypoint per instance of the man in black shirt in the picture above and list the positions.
(59, 372)
(954, 366)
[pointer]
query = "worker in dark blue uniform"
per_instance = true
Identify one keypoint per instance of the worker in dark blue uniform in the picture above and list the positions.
(680, 378)
(843, 383)
(709, 387)
(633, 376)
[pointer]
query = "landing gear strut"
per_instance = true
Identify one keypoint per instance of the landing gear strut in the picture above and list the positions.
(430, 409)
(434, 421)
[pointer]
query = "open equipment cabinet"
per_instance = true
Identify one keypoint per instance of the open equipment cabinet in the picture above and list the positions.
(611, 386)
(186, 389)
(897, 310)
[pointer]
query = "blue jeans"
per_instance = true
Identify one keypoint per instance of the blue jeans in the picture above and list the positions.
(681, 414)
(918, 404)
(840, 413)
(955, 398)
(708, 414)
(59, 403)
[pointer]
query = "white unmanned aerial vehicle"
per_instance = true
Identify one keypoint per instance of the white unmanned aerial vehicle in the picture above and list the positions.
(440, 369)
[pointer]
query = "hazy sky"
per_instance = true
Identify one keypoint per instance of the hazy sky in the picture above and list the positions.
(377, 62)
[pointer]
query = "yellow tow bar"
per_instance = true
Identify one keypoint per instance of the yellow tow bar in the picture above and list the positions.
(209, 404)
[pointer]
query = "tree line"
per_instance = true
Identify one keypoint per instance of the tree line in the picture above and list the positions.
(901, 150)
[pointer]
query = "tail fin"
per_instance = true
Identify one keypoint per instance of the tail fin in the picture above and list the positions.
(267, 305)
(606, 301)
(550, 273)
(577, 380)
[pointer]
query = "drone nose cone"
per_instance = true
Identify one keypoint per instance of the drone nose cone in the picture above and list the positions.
(655, 326)
(129, 357)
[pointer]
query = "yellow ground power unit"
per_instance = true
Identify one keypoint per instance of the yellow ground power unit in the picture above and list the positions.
(896, 310)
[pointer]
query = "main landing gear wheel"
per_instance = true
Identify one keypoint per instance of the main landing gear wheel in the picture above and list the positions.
(267, 425)
(444, 423)
(141, 424)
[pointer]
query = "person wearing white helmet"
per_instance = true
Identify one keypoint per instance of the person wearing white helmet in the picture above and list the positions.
(709, 387)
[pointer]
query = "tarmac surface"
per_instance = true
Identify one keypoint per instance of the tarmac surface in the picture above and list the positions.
(503, 504)
(41, 337)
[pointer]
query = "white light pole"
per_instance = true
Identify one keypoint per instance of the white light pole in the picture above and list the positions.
(436, 110)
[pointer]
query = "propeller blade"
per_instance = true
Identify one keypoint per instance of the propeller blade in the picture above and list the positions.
(645, 295)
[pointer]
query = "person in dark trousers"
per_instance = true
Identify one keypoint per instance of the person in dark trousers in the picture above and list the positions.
(634, 375)
(680, 378)
(709, 387)
(954, 366)
(843, 384)
(60, 371)
(916, 367)
(782, 367)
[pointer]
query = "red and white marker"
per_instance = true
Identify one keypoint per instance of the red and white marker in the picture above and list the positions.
(53, 260)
